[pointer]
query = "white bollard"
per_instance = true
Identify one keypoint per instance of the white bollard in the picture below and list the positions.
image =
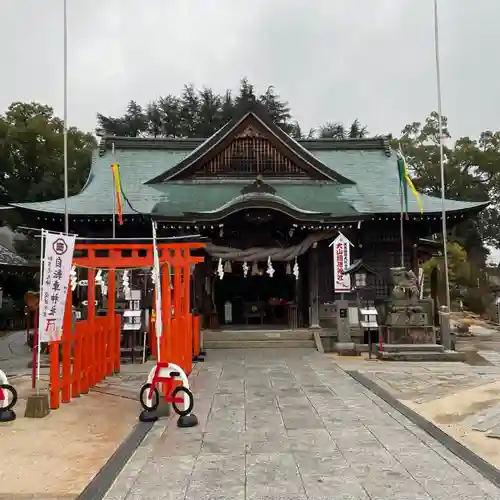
(8, 401)
(4, 381)
(165, 372)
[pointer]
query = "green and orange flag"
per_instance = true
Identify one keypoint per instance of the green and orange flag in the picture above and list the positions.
(405, 182)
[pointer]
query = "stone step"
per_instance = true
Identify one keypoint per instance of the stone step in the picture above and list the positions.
(266, 335)
(256, 344)
(412, 347)
(421, 356)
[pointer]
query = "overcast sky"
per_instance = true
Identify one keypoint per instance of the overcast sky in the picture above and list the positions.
(331, 59)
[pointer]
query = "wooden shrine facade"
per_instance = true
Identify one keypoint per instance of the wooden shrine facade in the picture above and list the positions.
(257, 194)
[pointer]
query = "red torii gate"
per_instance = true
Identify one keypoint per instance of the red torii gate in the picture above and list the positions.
(96, 341)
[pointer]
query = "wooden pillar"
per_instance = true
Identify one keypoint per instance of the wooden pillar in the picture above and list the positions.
(67, 347)
(187, 327)
(178, 326)
(111, 368)
(91, 346)
(314, 287)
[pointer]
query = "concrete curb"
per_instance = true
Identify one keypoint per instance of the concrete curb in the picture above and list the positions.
(102, 481)
(487, 470)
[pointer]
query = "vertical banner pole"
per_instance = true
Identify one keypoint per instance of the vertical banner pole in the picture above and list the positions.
(401, 225)
(441, 157)
(65, 130)
(158, 301)
(114, 193)
(40, 326)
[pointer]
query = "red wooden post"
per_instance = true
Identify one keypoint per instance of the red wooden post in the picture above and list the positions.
(91, 346)
(111, 321)
(67, 337)
(55, 383)
(117, 343)
(188, 319)
(177, 328)
(77, 361)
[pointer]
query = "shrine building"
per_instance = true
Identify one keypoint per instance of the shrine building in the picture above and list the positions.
(271, 206)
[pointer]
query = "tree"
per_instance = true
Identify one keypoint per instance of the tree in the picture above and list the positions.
(336, 130)
(31, 154)
(458, 264)
(472, 173)
(196, 113)
(31, 160)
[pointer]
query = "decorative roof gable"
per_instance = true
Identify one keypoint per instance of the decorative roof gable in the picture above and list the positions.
(248, 147)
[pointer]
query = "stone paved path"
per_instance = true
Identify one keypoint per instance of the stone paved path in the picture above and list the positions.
(289, 424)
(14, 353)
(492, 356)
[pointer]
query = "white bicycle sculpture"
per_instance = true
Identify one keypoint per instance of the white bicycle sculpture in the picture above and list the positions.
(167, 373)
(8, 394)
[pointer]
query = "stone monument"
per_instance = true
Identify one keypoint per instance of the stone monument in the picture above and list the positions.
(406, 317)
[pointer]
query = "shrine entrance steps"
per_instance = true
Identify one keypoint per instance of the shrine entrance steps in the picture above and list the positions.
(245, 338)
(418, 352)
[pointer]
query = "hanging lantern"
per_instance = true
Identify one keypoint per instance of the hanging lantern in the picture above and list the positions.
(288, 269)
(270, 269)
(245, 269)
(220, 269)
(296, 269)
(227, 267)
(255, 269)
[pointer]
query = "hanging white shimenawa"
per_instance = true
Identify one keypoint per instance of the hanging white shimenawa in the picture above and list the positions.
(104, 288)
(98, 278)
(99, 281)
(153, 276)
(270, 269)
(220, 269)
(125, 282)
(245, 269)
(157, 280)
(296, 269)
(73, 281)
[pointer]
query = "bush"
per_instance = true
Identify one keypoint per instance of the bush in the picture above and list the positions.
(476, 300)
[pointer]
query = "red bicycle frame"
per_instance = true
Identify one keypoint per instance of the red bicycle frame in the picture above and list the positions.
(169, 385)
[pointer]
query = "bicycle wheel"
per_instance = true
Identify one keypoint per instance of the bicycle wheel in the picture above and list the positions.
(155, 397)
(186, 394)
(11, 394)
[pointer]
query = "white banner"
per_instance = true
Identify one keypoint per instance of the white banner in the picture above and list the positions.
(56, 267)
(157, 274)
(341, 261)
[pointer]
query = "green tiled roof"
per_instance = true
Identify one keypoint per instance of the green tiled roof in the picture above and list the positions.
(202, 198)
(375, 190)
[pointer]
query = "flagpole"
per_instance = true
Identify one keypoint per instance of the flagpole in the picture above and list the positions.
(38, 345)
(441, 156)
(65, 130)
(401, 226)
(114, 194)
